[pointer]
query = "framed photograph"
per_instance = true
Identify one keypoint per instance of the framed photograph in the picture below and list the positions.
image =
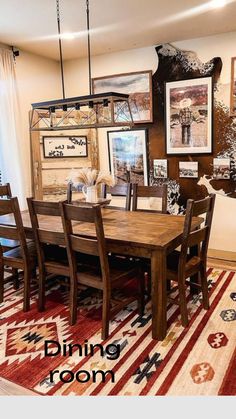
(138, 85)
(128, 156)
(233, 88)
(64, 147)
(160, 170)
(189, 116)
(188, 169)
(221, 168)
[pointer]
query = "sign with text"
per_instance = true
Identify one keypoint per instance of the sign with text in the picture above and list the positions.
(58, 147)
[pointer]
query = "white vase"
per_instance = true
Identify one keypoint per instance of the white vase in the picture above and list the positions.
(90, 193)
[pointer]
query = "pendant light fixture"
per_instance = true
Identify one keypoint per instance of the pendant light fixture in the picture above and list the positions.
(110, 109)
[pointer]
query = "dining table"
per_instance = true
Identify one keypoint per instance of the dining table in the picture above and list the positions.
(137, 234)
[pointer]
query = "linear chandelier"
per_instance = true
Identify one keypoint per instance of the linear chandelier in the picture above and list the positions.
(102, 110)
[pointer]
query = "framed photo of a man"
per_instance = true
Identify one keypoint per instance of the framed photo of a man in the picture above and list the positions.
(189, 116)
(128, 156)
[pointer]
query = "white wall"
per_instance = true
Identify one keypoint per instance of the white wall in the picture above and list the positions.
(76, 73)
(38, 79)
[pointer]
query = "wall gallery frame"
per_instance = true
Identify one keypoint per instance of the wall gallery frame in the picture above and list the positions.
(233, 88)
(188, 105)
(128, 156)
(188, 169)
(64, 147)
(221, 168)
(138, 85)
(160, 169)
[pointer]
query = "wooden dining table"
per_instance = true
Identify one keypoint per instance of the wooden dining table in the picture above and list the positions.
(137, 234)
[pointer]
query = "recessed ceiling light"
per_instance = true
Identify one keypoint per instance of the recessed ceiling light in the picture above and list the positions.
(215, 4)
(68, 35)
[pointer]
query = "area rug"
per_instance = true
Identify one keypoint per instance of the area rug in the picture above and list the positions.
(197, 360)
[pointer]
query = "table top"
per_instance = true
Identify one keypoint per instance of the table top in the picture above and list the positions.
(142, 229)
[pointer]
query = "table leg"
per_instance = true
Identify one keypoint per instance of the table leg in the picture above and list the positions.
(159, 295)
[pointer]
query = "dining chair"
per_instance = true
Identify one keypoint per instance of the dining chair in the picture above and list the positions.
(50, 244)
(140, 191)
(182, 264)
(5, 193)
(21, 257)
(107, 274)
(121, 190)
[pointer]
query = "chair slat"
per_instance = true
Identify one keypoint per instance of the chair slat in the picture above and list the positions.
(201, 207)
(83, 245)
(5, 190)
(51, 237)
(140, 191)
(79, 213)
(197, 237)
(47, 208)
(10, 233)
(5, 206)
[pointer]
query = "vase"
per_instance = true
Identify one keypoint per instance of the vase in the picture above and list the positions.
(90, 193)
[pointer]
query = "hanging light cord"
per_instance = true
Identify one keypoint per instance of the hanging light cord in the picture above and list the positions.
(60, 48)
(89, 49)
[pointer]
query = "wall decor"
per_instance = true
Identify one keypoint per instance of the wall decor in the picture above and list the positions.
(60, 146)
(188, 169)
(160, 169)
(189, 116)
(221, 168)
(233, 88)
(138, 85)
(128, 155)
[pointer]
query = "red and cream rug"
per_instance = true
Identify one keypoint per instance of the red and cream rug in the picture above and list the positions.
(198, 360)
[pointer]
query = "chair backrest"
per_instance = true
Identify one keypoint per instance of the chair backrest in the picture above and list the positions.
(76, 243)
(123, 190)
(70, 189)
(45, 235)
(17, 232)
(199, 237)
(140, 191)
(5, 191)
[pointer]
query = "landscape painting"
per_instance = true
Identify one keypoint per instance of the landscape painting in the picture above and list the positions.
(188, 169)
(128, 156)
(138, 85)
(189, 116)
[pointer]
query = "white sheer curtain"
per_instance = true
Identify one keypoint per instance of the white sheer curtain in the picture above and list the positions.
(11, 162)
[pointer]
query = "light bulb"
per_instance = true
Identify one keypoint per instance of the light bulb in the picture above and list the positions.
(215, 4)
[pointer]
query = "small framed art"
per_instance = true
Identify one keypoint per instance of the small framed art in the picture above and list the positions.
(160, 169)
(221, 168)
(60, 146)
(188, 169)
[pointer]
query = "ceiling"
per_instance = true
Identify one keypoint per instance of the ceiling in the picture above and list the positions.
(116, 25)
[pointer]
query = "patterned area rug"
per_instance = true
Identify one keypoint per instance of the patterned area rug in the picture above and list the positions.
(198, 360)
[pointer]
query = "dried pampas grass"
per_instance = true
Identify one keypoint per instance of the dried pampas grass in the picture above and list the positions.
(90, 177)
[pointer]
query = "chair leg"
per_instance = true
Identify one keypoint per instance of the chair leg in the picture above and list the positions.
(27, 278)
(141, 297)
(1, 282)
(105, 313)
(41, 299)
(15, 276)
(205, 296)
(73, 300)
(183, 302)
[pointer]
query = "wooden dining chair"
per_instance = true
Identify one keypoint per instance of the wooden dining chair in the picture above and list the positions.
(123, 190)
(50, 244)
(5, 193)
(140, 191)
(182, 265)
(107, 274)
(21, 257)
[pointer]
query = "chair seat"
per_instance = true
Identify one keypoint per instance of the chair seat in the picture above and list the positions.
(14, 256)
(192, 264)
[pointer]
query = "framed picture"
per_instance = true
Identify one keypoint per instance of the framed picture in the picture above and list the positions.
(128, 156)
(221, 168)
(64, 147)
(160, 170)
(188, 169)
(233, 88)
(189, 116)
(138, 85)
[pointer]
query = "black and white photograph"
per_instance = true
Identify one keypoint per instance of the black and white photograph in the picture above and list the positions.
(160, 168)
(221, 168)
(188, 169)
